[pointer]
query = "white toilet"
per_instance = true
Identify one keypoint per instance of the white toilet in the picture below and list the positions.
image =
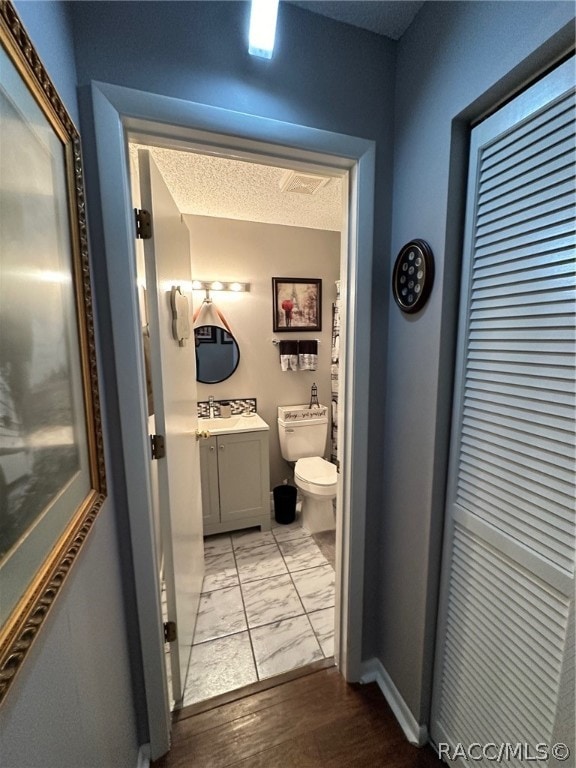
(303, 433)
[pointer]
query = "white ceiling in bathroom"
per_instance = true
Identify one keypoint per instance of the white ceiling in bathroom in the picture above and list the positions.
(206, 185)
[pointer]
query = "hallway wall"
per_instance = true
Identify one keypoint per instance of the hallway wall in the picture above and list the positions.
(72, 702)
(253, 252)
(456, 60)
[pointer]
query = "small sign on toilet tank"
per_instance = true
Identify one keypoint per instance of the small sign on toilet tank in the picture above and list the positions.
(301, 413)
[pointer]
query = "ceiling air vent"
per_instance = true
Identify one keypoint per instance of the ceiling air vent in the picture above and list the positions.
(304, 183)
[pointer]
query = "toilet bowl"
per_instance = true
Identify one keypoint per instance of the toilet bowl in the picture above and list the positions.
(302, 431)
(317, 481)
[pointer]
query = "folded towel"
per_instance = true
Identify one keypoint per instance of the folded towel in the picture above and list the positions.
(308, 354)
(289, 355)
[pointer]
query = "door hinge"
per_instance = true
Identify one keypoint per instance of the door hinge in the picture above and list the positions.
(158, 446)
(170, 633)
(143, 224)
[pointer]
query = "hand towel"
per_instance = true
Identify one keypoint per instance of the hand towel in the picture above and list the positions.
(308, 354)
(289, 355)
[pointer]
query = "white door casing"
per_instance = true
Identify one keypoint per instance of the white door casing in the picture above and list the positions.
(149, 118)
(173, 369)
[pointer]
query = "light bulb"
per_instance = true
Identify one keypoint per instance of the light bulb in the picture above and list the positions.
(263, 17)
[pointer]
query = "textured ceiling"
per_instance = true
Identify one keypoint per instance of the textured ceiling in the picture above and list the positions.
(390, 17)
(216, 186)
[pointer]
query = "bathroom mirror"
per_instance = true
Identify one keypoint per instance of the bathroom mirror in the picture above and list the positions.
(217, 354)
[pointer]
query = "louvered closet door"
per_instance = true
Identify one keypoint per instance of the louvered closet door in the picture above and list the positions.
(505, 653)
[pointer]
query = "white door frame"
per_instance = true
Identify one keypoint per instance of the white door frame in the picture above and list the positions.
(118, 111)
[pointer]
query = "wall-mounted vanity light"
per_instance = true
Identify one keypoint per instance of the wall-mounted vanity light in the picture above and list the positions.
(219, 285)
(207, 313)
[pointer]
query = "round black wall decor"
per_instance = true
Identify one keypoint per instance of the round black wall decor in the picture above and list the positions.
(413, 276)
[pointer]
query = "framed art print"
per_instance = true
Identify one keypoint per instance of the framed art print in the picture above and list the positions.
(297, 304)
(52, 476)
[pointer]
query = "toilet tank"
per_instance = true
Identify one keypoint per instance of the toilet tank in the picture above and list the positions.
(302, 431)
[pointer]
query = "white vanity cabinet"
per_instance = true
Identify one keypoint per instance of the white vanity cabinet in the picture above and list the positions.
(235, 478)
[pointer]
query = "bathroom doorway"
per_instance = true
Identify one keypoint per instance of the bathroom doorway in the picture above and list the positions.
(268, 599)
(120, 114)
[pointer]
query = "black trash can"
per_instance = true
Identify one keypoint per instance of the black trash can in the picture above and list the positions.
(284, 504)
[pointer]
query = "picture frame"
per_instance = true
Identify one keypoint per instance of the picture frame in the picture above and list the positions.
(225, 337)
(205, 334)
(296, 304)
(52, 472)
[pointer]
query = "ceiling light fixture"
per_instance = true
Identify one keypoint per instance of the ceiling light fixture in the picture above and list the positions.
(263, 17)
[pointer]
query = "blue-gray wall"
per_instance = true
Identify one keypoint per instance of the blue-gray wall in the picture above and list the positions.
(71, 704)
(50, 28)
(456, 60)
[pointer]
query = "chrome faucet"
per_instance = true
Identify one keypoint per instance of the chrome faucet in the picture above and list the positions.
(211, 407)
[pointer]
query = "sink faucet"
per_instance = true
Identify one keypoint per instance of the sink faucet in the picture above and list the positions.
(211, 407)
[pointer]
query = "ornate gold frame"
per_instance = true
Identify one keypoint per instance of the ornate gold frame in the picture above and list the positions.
(24, 622)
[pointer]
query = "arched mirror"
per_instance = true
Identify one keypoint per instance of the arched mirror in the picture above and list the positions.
(217, 354)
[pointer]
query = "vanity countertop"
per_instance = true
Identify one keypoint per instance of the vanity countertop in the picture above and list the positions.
(219, 426)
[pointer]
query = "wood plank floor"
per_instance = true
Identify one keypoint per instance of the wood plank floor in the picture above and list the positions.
(314, 721)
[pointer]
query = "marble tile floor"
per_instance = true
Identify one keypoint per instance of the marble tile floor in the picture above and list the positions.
(326, 540)
(267, 606)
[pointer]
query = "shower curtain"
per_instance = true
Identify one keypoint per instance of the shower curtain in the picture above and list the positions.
(334, 372)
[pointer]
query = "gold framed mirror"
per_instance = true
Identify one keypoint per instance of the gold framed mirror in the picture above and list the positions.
(52, 474)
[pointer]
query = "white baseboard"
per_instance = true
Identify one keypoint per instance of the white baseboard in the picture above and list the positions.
(373, 671)
(143, 756)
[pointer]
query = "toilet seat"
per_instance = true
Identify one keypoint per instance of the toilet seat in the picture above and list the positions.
(316, 471)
